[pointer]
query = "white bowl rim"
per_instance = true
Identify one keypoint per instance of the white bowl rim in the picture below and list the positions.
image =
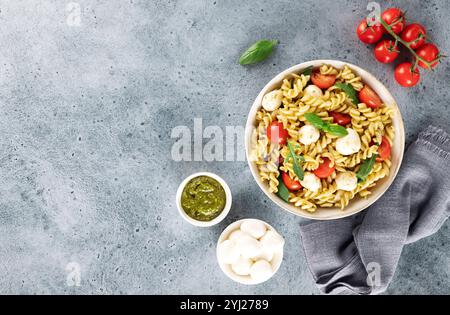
(217, 219)
(399, 140)
(245, 279)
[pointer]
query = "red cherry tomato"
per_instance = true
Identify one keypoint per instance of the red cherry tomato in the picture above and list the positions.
(289, 182)
(395, 18)
(414, 34)
(368, 96)
(324, 170)
(386, 51)
(369, 34)
(405, 75)
(276, 133)
(340, 118)
(429, 53)
(323, 81)
(384, 150)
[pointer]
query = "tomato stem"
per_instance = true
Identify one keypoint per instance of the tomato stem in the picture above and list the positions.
(415, 66)
(407, 45)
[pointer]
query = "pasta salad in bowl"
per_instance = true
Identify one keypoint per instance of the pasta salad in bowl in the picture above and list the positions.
(324, 139)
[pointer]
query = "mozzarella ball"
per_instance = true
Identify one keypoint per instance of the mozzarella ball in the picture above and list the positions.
(249, 247)
(265, 254)
(261, 270)
(272, 100)
(228, 252)
(254, 228)
(311, 182)
(349, 144)
(236, 235)
(346, 181)
(308, 134)
(272, 242)
(313, 90)
(242, 266)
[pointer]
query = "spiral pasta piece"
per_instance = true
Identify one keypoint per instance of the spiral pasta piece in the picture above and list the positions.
(347, 76)
(293, 88)
(328, 70)
(335, 102)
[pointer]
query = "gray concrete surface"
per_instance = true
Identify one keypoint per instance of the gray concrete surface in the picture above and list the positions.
(86, 113)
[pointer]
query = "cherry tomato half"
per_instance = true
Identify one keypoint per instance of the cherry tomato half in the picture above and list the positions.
(386, 51)
(395, 18)
(369, 34)
(414, 34)
(340, 118)
(289, 182)
(405, 75)
(384, 150)
(429, 53)
(323, 81)
(368, 96)
(276, 133)
(324, 170)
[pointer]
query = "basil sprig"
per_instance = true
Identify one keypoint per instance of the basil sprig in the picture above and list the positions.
(320, 124)
(283, 192)
(366, 168)
(296, 162)
(336, 130)
(257, 52)
(349, 90)
(315, 120)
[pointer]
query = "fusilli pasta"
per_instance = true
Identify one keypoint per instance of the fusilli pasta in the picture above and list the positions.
(371, 126)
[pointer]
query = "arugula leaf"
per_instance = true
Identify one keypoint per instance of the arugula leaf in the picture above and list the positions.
(315, 120)
(337, 130)
(307, 71)
(299, 157)
(296, 162)
(349, 90)
(257, 52)
(366, 168)
(283, 192)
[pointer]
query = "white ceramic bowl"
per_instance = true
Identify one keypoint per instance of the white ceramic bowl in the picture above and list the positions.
(217, 219)
(357, 204)
(276, 260)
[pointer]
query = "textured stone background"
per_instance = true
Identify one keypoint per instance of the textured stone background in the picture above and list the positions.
(85, 119)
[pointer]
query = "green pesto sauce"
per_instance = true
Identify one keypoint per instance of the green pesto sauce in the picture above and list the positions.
(203, 198)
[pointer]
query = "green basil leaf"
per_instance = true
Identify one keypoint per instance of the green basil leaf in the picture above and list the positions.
(337, 130)
(257, 52)
(349, 90)
(283, 192)
(315, 120)
(366, 168)
(307, 71)
(296, 163)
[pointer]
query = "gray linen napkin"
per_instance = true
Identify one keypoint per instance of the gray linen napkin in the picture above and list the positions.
(359, 254)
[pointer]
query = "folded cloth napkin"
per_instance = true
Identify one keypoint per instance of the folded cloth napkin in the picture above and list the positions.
(359, 254)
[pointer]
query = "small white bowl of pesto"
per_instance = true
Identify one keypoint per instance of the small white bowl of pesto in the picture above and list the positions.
(203, 199)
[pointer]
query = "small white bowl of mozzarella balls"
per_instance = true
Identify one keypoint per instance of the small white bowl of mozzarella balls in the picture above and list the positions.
(250, 251)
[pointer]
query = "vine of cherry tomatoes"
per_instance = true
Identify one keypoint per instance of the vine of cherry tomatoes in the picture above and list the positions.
(412, 36)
